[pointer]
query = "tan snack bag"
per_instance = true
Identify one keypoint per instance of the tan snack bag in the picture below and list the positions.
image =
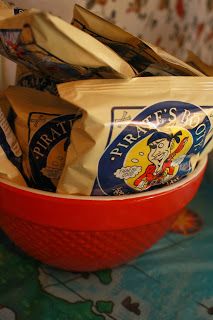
(54, 48)
(136, 134)
(197, 63)
(9, 171)
(146, 58)
(7, 68)
(10, 151)
(42, 124)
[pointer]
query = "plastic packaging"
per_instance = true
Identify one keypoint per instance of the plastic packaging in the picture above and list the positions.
(136, 134)
(42, 124)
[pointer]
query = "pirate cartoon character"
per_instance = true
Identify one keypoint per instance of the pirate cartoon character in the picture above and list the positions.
(161, 157)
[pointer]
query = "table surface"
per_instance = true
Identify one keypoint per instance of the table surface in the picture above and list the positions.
(172, 281)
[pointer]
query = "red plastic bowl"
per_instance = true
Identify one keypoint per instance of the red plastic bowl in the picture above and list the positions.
(91, 233)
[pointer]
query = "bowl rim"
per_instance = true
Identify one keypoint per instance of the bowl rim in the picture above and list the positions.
(147, 194)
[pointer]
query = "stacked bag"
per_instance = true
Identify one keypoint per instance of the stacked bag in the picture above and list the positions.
(97, 111)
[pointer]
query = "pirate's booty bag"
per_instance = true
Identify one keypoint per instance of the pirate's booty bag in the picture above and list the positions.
(146, 58)
(42, 125)
(26, 77)
(58, 50)
(10, 151)
(136, 134)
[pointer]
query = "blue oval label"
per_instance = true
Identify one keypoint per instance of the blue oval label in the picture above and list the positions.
(156, 147)
(48, 147)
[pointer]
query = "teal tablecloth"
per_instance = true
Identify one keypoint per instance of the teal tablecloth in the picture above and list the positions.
(172, 281)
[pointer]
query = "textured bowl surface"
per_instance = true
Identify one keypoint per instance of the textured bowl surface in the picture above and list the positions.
(91, 233)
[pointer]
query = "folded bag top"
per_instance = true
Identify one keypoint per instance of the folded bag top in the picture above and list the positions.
(57, 49)
(144, 57)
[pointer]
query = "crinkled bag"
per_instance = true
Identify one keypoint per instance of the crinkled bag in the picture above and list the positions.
(10, 151)
(144, 57)
(136, 135)
(42, 125)
(57, 50)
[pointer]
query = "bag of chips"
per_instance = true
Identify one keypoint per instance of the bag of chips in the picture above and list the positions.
(198, 64)
(42, 124)
(136, 134)
(145, 58)
(7, 68)
(10, 151)
(52, 47)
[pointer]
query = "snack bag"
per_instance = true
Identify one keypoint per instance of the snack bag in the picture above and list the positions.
(24, 76)
(10, 151)
(57, 50)
(197, 63)
(7, 68)
(42, 124)
(136, 134)
(145, 58)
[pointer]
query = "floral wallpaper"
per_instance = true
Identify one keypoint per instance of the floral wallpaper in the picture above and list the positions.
(174, 25)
